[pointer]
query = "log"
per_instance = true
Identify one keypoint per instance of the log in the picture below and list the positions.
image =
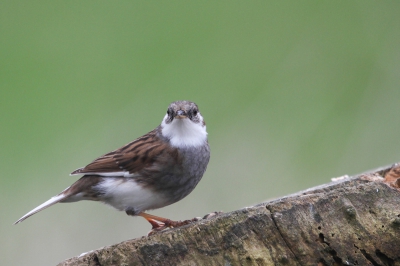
(350, 221)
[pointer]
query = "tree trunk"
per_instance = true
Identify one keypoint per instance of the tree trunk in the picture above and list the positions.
(351, 221)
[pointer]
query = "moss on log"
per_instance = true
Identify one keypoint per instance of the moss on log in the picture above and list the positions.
(352, 221)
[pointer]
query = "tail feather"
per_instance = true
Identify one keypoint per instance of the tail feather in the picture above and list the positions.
(43, 206)
(76, 192)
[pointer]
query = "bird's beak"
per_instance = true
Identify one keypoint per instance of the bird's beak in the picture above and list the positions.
(180, 114)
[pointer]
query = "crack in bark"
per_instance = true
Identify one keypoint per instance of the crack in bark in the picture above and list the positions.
(280, 233)
(384, 258)
(369, 257)
(360, 227)
(96, 260)
(331, 251)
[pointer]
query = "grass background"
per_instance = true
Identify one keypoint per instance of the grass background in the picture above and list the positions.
(293, 93)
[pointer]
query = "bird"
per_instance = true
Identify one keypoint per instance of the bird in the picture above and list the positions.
(153, 171)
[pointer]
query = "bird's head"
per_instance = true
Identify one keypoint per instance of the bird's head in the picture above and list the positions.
(183, 125)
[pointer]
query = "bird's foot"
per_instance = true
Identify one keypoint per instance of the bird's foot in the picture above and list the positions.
(161, 224)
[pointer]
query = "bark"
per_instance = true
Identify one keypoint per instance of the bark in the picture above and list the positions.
(351, 221)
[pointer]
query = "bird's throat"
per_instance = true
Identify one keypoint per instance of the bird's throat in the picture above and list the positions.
(184, 133)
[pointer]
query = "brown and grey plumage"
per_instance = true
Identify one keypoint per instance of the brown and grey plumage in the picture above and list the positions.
(153, 171)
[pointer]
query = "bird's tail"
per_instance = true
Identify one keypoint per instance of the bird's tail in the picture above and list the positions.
(43, 206)
(76, 192)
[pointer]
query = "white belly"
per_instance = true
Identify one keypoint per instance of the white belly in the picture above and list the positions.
(125, 194)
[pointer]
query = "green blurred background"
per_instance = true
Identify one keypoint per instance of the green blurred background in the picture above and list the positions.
(293, 92)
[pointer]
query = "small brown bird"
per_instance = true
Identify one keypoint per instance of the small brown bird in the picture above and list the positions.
(153, 171)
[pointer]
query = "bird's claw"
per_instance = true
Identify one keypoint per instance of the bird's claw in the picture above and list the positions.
(162, 226)
(159, 226)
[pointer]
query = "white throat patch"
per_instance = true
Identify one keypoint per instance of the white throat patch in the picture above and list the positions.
(184, 132)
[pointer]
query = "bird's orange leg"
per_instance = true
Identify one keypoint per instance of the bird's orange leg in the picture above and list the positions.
(160, 223)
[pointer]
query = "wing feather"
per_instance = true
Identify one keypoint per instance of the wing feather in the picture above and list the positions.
(129, 159)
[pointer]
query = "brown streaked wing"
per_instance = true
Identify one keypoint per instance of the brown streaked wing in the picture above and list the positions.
(140, 158)
(132, 157)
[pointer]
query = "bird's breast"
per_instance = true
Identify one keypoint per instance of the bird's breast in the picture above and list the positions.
(179, 183)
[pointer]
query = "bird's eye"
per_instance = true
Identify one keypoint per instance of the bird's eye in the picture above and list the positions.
(168, 112)
(194, 112)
